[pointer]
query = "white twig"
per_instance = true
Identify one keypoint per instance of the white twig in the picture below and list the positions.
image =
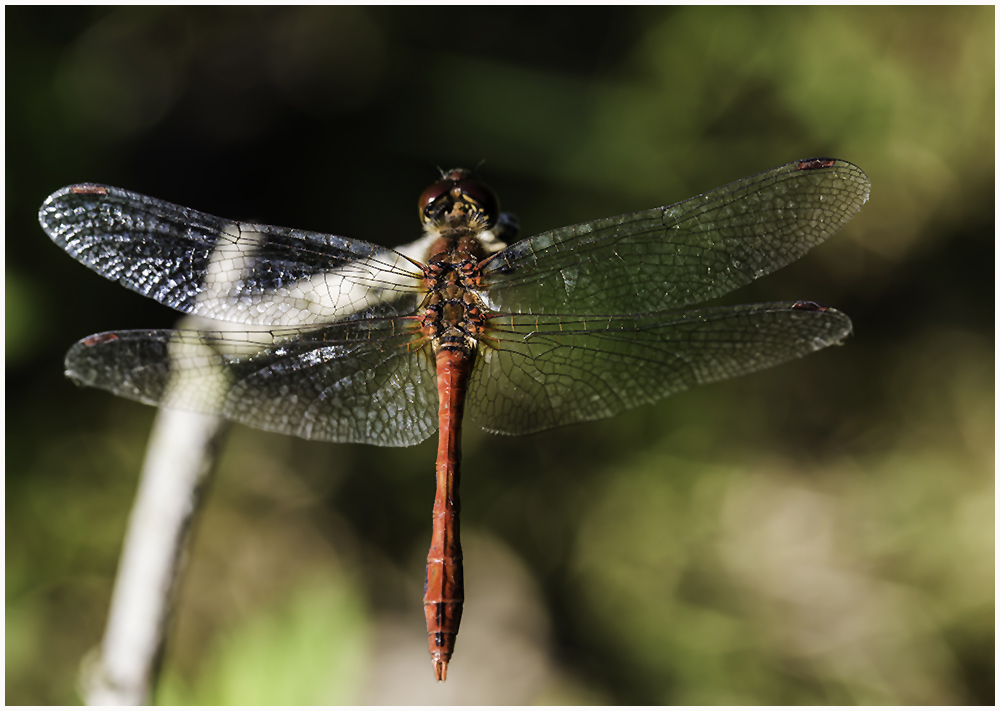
(182, 452)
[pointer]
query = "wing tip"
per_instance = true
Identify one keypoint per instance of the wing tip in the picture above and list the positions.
(49, 210)
(860, 177)
(839, 325)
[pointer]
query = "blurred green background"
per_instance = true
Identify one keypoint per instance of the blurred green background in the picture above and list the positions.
(819, 533)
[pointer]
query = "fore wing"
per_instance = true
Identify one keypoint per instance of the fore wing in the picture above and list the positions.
(364, 381)
(222, 269)
(680, 255)
(544, 371)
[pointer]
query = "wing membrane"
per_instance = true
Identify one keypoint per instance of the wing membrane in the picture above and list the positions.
(548, 370)
(363, 381)
(221, 269)
(676, 256)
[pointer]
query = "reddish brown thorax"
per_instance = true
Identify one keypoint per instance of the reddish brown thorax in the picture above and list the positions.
(456, 209)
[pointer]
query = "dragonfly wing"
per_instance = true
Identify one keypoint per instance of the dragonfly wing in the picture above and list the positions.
(676, 256)
(364, 381)
(545, 371)
(222, 269)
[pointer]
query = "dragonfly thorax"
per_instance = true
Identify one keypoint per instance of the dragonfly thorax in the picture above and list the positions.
(452, 315)
(459, 210)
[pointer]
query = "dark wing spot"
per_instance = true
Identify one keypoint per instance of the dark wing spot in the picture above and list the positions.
(89, 190)
(99, 338)
(814, 163)
(809, 306)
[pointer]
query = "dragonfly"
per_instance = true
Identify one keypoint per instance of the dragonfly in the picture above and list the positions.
(339, 339)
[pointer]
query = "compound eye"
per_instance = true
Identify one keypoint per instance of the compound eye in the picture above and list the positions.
(481, 198)
(429, 196)
(459, 186)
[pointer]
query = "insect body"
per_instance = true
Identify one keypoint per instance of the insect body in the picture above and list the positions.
(346, 341)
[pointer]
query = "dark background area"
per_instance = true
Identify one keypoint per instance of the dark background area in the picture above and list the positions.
(819, 533)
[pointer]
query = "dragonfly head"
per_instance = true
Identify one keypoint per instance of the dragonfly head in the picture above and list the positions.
(459, 200)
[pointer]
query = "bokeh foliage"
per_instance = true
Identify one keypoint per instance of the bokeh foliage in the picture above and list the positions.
(820, 533)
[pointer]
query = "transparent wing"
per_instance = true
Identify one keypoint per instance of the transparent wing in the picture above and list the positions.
(363, 381)
(545, 371)
(221, 269)
(676, 256)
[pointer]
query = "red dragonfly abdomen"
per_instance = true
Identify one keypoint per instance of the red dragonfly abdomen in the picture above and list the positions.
(444, 590)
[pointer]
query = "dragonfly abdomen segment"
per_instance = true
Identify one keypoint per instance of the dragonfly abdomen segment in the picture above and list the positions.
(444, 588)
